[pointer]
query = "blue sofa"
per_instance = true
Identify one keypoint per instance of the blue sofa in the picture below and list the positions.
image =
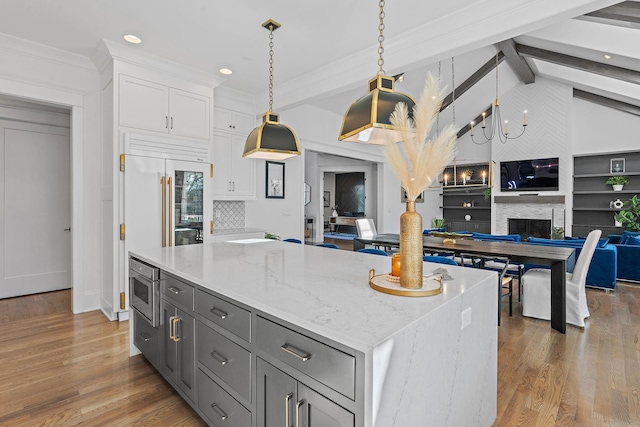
(603, 270)
(628, 255)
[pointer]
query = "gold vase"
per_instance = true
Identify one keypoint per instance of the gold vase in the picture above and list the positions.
(411, 248)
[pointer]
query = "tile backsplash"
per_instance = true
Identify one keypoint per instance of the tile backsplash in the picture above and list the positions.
(228, 214)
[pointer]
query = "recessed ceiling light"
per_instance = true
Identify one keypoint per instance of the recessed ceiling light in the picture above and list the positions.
(226, 71)
(132, 39)
(606, 56)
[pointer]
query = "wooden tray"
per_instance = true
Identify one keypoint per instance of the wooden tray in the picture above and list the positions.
(431, 285)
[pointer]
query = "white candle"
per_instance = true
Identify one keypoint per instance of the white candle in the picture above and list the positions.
(471, 128)
(484, 115)
(483, 177)
(525, 117)
(464, 179)
(506, 127)
(446, 177)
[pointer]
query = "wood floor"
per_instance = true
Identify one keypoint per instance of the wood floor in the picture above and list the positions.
(57, 369)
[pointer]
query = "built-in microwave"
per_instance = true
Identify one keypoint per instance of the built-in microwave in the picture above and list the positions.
(144, 290)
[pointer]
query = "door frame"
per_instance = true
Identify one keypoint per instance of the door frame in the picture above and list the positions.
(75, 101)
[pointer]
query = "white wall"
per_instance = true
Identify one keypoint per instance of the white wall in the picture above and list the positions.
(36, 72)
(598, 129)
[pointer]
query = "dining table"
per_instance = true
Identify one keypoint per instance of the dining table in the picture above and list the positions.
(554, 257)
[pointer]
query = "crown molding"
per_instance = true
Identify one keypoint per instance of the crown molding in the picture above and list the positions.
(107, 51)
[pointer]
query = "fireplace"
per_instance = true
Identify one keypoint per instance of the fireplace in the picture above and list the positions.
(530, 227)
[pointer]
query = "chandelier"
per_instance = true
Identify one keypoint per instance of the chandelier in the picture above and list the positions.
(367, 119)
(497, 128)
(271, 140)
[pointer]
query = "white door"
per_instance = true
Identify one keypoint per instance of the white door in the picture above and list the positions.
(35, 203)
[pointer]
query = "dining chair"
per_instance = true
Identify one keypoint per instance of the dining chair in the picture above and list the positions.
(328, 245)
(439, 259)
(373, 251)
(536, 287)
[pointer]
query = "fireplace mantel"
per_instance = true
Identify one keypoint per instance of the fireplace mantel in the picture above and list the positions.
(529, 198)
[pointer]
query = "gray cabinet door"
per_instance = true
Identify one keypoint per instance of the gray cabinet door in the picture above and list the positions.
(318, 411)
(186, 349)
(168, 354)
(281, 400)
(146, 338)
(177, 348)
(276, 397)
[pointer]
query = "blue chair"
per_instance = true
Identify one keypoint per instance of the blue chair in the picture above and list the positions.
(373, 251)
(328, 245)
(439, 259)
(292, 241)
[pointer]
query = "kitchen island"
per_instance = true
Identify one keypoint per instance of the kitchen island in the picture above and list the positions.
(270, 333)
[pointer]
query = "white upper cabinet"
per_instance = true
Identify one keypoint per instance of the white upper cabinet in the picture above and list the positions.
(233, 175)
(147, 105)
(232, 121)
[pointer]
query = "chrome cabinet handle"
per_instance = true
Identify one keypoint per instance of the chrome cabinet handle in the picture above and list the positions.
(295, 352)
(145, 336)
(298, 405)
(219, 412)
(221, 314)
(174, 290)
(219, 358)
(171, 122)
(166, 122)
(287, 400)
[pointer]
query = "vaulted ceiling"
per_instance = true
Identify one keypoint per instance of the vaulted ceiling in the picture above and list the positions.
(326, 51)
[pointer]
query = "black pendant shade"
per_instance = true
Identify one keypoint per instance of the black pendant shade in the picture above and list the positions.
(271, 140)
(367, 119)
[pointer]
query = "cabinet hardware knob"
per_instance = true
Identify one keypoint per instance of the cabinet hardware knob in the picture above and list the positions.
(219, 358)
(295, 352)
(219, 412)
(174, 290)
(221, 314)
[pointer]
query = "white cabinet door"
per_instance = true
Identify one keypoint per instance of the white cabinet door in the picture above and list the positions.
(221, 184)
(143, 104)
(152, 106)
(189, 114)
(243, 170)
(234, 176)
(232, 121)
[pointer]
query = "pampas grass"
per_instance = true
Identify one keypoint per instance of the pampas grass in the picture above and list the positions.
(416, 160)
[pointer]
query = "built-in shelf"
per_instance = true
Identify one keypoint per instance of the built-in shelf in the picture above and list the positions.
(454, 194)
(592, 197)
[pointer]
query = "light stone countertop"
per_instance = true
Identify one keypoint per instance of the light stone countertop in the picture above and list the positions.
(323, 290)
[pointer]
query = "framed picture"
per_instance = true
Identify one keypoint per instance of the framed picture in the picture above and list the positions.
(275, 180)
(617, 165)
(326, 198)
(403, 197)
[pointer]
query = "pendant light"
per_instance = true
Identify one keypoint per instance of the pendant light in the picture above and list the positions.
(367, 119)
(271, 140)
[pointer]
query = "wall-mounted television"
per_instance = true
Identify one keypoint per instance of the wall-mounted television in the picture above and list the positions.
(529, 175)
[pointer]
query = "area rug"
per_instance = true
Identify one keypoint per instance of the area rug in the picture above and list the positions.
(340, 236)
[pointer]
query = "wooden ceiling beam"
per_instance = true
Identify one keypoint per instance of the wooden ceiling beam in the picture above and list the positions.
(517, 63)
(611, 71)
(606, 102)
(477, 120)
(473, 79)
(627, 11)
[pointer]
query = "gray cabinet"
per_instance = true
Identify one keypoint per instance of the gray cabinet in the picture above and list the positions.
(177, 334)
(146, 338)
(593, 206)
(282, 400)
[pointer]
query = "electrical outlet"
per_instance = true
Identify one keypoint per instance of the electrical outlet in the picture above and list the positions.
(466, 318)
